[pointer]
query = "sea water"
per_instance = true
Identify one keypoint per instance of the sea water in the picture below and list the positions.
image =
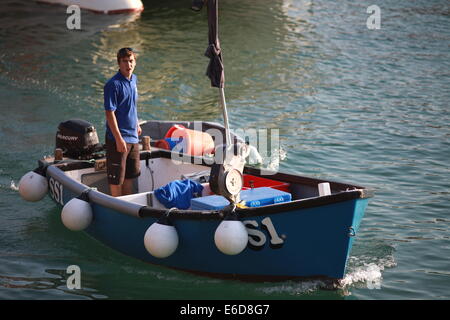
(352, 104)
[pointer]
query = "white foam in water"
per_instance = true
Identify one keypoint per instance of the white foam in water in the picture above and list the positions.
(13, 186)
(360, 272)
(283, 154)
(275, 158)
(368, 273)
(297, 288)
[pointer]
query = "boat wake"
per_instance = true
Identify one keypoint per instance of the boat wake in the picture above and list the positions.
(7, 183)
(366, 271)
(13, 186)
(295, 288)
(362, 272)
(272, 162)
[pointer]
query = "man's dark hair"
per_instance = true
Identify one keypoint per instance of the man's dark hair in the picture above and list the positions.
(124, 52)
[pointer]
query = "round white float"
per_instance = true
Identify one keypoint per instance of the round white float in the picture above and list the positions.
(231, 237)
(33, 187)
(161, 240)
(77, 214)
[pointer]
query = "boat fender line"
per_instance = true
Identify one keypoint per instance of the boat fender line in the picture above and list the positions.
(231, 236)
(150, 212)
(161, 238)
(77, 214)
(33, 186)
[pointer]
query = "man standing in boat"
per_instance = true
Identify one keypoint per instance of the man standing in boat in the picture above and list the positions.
(122, 126)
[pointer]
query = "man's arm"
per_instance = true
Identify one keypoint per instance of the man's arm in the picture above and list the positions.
(121, 145)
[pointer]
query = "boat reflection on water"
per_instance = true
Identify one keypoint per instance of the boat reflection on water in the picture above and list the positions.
(102, 6)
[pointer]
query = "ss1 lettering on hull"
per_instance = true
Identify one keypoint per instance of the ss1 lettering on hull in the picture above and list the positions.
(56, 190)
(257, 238)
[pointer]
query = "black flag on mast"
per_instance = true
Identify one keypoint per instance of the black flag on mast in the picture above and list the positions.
(215, 70)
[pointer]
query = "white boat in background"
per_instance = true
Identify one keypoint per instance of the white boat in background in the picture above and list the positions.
(103, 6)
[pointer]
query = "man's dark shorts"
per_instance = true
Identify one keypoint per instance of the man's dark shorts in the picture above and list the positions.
(122, 165)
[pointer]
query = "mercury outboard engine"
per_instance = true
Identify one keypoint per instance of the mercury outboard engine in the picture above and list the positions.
(78, 139)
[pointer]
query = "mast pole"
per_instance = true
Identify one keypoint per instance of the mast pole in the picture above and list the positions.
(225, 117)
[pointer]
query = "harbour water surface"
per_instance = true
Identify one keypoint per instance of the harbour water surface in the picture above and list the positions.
(368, 107)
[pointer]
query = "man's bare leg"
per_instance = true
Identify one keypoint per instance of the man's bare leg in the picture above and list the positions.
(115, 189)
(127, 187)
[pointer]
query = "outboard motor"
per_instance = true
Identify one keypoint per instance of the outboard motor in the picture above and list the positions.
(78, 139)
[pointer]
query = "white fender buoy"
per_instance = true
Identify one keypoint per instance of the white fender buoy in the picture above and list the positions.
(231, 236)
(161, 238)
(33, 186)
(77, 214)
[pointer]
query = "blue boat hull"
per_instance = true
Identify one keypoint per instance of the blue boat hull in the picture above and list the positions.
(310, 242)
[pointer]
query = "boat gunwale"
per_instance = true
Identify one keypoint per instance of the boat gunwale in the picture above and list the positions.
(350, 192)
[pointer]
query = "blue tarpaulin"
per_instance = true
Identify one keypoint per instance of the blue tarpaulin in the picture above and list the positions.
(178, 193)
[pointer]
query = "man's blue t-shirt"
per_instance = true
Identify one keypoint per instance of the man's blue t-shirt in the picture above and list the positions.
(120, 96)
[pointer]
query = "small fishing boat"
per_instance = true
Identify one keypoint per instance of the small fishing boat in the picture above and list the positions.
(102, 6)
(199, 204)
(308, 235)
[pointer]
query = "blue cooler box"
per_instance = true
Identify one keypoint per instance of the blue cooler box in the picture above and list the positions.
(256, 197)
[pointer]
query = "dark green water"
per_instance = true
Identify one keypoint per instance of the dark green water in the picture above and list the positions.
(369, 107)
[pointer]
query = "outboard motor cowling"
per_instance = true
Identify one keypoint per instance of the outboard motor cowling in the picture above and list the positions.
(77, 138)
